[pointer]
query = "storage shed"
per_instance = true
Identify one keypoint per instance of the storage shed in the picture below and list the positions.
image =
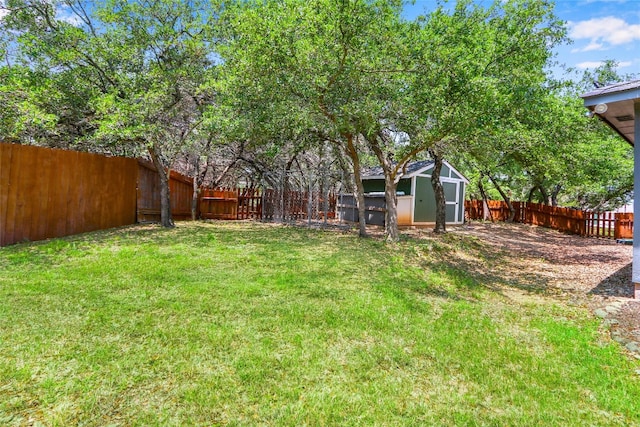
(416, 199)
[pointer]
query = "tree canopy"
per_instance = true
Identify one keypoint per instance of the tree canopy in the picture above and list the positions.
(352, 81)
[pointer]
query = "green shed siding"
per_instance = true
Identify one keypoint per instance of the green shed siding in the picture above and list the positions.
(450, 213)
(377, 185)
(449, 191)
(425, 207)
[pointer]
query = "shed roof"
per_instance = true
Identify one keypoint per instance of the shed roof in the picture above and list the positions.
(412, 169)
(616, 106)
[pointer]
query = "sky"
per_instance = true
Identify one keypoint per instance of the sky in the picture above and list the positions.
(600, 30)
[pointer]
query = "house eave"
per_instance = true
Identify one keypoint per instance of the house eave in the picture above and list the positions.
(615, 106)
(608, 98)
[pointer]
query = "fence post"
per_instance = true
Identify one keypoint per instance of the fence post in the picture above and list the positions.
(310, 199)
(237, 192)
(282, 193)
(325, 206)
(262, 208)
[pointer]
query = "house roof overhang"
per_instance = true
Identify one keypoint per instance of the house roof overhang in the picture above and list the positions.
(615, 105)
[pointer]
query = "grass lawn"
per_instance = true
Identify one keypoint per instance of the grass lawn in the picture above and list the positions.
(249, 324)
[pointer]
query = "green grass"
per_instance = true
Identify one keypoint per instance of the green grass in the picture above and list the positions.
(247, 324)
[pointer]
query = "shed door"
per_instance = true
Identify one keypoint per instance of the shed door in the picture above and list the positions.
(425, 206)
(451, 192)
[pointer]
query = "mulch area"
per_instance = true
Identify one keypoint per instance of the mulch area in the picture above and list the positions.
(584, 270)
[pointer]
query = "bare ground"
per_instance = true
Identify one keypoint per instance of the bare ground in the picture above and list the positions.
(585, 271)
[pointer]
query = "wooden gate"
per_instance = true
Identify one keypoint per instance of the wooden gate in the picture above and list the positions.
(218, 203)
(624, 226)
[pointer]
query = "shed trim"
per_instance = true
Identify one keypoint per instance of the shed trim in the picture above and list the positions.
(376, 173)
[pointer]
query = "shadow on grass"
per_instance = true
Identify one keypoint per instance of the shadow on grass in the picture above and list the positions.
(450, 266)
(617, 284)
(469, 264)
(530, 258)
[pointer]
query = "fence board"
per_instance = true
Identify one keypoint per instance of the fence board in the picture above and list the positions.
(62, 200)
(47, 169)
(5, 171)
(53, 193)
(623, 226)
(219, 203)
(74, 204)
(14, 211)
(180, 193)
(574, 221)
(9, 189)
(181, 188)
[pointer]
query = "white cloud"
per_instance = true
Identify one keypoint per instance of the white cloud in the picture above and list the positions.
(590, 47)
(589, 64)
(608, 30)
(595, 64)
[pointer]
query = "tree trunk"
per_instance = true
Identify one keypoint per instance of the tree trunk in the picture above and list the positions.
(554, 195)
(194, 200)
(198, 178)
(486, 212)
(165, 199)
(357, 177)
(532, 192)
(391, 173)
(545, 196)
(391, 213)
(507, 199)
(438, 190)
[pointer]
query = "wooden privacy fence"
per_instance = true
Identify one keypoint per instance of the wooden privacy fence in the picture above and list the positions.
(624, 226)
(148, 194)
(563, 219)
(574, 221)
(218, 203)
(48, 193)
(495, 210)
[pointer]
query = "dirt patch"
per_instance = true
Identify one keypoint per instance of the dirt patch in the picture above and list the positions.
(586, 271)
(582, 265)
